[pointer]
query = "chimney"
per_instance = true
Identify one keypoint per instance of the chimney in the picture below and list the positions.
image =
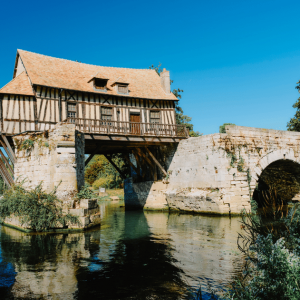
(165, 81)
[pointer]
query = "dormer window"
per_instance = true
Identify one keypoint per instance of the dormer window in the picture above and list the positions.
(100, 84)
(122, 88)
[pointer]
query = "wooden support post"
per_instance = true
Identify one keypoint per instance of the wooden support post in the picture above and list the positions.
(156, 161)
(4, 178)
(59, 105)
(5, 174)
(8, 148)
(115, 166)
(6, 161)
(131, 164)
(143, 166)
(146, 158)
(138, 164)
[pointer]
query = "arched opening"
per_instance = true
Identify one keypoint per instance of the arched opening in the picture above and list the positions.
(279, 182)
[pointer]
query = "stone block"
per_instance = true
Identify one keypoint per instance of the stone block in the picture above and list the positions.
(236, 199)
(80, 212)
(88, 203)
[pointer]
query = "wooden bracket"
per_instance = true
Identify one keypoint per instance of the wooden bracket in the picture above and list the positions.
(132, 165)
(157, 162)
(115, 166)
(8, 149)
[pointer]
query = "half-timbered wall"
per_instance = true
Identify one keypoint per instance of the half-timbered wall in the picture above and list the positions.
(50, 107)
(17, 114)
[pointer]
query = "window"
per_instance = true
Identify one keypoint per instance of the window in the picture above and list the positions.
(106, 113)
(122, 88)
(155, 117)
(71, 110)
(100, 84)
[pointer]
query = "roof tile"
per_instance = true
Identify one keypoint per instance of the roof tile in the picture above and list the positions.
(61, 73)
(20, 85)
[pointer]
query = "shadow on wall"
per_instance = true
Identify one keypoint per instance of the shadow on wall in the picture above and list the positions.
(149, 194)
(136, 194)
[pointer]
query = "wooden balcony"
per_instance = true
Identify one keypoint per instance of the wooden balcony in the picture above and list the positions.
(106, 127)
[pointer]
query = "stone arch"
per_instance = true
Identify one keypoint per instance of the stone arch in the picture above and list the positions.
(281, 170)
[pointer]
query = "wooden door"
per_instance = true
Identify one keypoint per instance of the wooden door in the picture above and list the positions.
(135, 123)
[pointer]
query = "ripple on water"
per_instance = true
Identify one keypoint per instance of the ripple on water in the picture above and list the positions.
(135, 255)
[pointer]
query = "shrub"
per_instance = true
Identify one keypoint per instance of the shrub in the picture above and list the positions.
(271, 243)
(85, 193)
(105, 182)
(36, 208)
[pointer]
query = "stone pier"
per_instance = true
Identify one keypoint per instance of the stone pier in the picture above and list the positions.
(54, 157)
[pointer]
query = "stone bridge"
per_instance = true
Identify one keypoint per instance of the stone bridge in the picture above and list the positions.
(218, 173)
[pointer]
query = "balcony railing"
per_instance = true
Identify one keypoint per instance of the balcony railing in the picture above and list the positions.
(129, 128)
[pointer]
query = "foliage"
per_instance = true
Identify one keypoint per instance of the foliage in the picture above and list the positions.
(100, 167)
(36, 208)
(95, 167)
(271, 242)
(104, 182)
(276, 272)
(222, 127)
(294, 123)
(2, 186)
(26, 145)
(240, 164)
(181, 119)
(85, 193)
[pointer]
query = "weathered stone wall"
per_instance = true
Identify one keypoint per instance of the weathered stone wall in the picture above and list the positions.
(55, 157)
(218, 173)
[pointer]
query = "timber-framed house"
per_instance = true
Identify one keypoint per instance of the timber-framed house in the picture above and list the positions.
(106, 101)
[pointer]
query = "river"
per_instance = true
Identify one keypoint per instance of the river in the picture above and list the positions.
(133, 255)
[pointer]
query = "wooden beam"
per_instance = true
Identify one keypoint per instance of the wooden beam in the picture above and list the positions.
(138, 163)
(4, 177)
(5, 174)
(157, 162)
(8, 149)
(89, 159)
(131, 164)
(115, 166)
(6, 161)
(145, 158)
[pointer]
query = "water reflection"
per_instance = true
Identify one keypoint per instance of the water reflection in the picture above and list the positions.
(134, 255)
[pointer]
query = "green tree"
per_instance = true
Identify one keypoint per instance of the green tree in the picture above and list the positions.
(100, 168)
(181, 119)
(294, 123)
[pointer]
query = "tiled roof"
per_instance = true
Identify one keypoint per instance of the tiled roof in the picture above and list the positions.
(119, 80)
(62, 73)
(20, 85)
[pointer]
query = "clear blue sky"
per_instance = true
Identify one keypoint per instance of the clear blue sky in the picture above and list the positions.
(237, 61)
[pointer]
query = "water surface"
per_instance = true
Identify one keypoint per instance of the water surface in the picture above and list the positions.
(134, 255)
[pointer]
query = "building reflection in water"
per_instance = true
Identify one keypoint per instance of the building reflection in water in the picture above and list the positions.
(134, 255)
